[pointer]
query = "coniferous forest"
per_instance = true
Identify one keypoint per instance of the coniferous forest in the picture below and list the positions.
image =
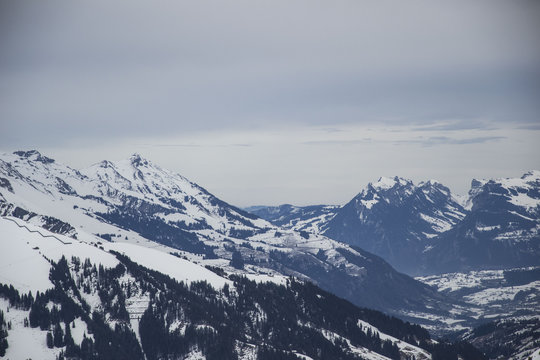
(273, 321)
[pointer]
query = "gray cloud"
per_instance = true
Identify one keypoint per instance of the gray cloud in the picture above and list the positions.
(113, 70)
(337, 142)
(420, 140)
(530, 127)
(445, 140)
(193, 145)
(459, 125)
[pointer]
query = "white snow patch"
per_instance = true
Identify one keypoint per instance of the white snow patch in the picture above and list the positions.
(24, 253)
(302, 356)
(25, 342)
(487, 228)
(457, 281)
(488, 296)
(264, 278)
(21, 261)
(438, 225)
(79, 331)
(195, 355)
(179, 269)
(525, 201)
(368, 204)
(534, 355)
(404, 347)
(384, 183)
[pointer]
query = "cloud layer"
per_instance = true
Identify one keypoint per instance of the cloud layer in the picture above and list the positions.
(116, 68)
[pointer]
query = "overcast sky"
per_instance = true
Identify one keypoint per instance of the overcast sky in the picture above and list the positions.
(267, 102)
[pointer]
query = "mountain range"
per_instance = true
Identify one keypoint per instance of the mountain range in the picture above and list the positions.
(424, 229)
(134, 253)
(136, 201)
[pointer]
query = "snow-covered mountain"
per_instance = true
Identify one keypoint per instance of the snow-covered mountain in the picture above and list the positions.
(129, 193)
(396, 219)
(392, 218)
(502, 229)
(85, 299)
(424, 229)
(118, 252)
(135, 201)
(70, 293)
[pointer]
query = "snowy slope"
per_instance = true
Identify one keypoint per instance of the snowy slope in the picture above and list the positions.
(136, 208)
(142, 180)
(176, 268)
(502, 229)
(25, 254)
(25, 250)
(44, 186)
(137, 202)
(25, 342)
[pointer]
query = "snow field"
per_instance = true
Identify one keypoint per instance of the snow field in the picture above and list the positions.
(25, 342)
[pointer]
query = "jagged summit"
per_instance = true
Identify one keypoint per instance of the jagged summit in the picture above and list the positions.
(500, 230)
(137, 160)
(135, 201)
(521, 191)
(425, 228)
(33, 155)
(430, 182)
(531, 175)
(385, 183)
(396, 219)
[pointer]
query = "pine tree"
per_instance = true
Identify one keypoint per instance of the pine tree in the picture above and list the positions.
(58, 335)
(68, 339)
(237, 260)
(50, 343)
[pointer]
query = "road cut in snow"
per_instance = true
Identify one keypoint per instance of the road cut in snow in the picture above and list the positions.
(21, 262)
(25, 248)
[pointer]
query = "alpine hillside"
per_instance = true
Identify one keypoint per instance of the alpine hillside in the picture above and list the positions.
(64, 298)
(135, 201)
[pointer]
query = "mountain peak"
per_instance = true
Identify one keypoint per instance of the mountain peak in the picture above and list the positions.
(385, 183)
(526, 180)
(431, 182)
(434, 185)
(34, 155)
(531, 175)
(105, 164)
(137, 160)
